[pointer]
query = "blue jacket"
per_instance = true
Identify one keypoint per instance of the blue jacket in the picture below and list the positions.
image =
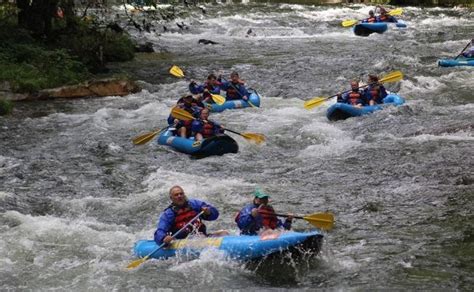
(362, 100)
(196, 89)
(166, 221)
(234, 91)
(250, 225)
(469, 53)
(382, 94)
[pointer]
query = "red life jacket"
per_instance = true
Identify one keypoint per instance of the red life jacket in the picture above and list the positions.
(187, 124)
(232, 92)
(354, 97)
(268, 219)
(183, 216)
(383, 17)
(207, 129)
(371, 19)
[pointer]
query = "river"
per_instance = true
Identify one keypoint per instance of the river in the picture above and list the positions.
(76, 193)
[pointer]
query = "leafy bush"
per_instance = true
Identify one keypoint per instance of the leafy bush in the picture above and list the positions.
(6, 107)
(30, 68)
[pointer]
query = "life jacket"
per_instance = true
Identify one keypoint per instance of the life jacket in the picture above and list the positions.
(207, 129)
(383, 17)
(232, 92)
(182, 217)
(187, 123)
(269, 220)
(354, 97)
(371, 19)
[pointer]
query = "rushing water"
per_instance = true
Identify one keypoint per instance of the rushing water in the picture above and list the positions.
(76, 194)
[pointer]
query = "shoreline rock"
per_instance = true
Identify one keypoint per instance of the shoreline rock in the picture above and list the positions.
(92, 88)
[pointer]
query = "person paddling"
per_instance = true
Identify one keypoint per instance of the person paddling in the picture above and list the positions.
(371, 18)
(179, 213)
(375, 91)
(259, 216)
(235, 88)
(204, 128)
(183, 128)
(384, 16)
(355, 97)
(211, 86)
(469, 53)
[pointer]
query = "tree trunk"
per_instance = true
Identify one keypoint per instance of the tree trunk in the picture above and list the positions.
(37, 15)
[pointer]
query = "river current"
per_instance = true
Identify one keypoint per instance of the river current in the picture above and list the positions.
(75, 193)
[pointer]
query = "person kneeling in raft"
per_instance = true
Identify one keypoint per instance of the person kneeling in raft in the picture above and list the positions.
(259, 215)
(179, 213)
(204, 128)
(211, 86)
(355, 97)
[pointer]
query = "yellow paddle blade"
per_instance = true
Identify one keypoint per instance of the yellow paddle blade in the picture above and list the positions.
(350, 22)
(136, 263)
(181, 114)
(219, 99)
(323, 221)
(255, 137)
(394, 12)
(392, 77)
(145, 138)
(314, 102)
(176, 71)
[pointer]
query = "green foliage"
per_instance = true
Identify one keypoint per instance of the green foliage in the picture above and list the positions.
(29, 67)
(6, 107)
(118, 47)
(96, 47)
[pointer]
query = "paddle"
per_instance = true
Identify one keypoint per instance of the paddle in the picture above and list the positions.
(241, 96)
(323, 221)
(181, 114)
(351, 22)
(463, 50)
(147, 137)
(390, 77)
(138, 262)
(177, 72)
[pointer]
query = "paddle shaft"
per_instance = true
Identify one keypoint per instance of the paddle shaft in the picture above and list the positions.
(280, 215)
(176, 234)
(232, 131)
(189, 116)
(462, 50)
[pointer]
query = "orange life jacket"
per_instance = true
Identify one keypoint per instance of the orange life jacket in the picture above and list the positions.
(371, 19)
(354, 97)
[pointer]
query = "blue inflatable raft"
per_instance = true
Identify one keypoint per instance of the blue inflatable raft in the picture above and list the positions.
(456, 62)
(342, 111)
(217, 145)
(240, 247)
(254, 98)
(365, 29)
